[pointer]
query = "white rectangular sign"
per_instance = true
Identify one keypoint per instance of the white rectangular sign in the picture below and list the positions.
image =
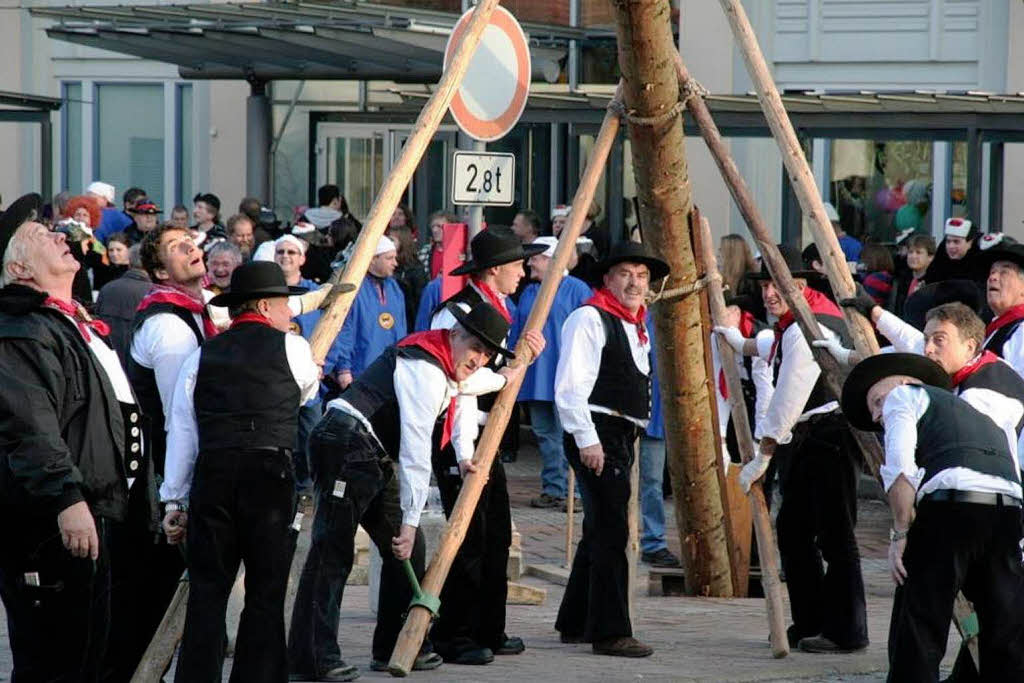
(484, 178)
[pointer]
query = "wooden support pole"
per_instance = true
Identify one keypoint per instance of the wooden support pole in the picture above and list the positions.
(800, 174)
(416, 623)
(633, 525)
(168, 634)
(741, 425)
(645, 51)
(394, 185)
(570, 502)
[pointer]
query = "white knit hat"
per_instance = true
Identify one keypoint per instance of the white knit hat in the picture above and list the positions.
(549, 242)
(561, 210)
(958, 227)
(299, 244)
(105, 190)
(384, 245)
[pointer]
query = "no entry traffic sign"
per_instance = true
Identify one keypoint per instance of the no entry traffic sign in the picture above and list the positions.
(493, 93)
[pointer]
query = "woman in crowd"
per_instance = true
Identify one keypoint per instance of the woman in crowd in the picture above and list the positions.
(411, 275)
(876, 266)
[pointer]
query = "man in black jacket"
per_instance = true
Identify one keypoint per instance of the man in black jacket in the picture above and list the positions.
(69, 450)
(118, 300)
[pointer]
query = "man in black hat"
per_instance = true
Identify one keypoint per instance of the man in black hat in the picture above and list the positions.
(144, 214)
(1004, 292)
(371, 464)
(603, 398)
(471, 629)
(956, 501)
(817, 474)
(233, 423)
(69, 429)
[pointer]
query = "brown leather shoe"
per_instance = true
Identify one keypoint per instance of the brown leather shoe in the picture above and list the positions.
(625, 646)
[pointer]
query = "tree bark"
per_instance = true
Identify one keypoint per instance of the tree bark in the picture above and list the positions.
(646, 53)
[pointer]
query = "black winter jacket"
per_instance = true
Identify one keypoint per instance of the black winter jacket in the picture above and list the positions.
(61, 427)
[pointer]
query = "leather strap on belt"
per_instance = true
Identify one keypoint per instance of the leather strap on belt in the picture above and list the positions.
(976, 497)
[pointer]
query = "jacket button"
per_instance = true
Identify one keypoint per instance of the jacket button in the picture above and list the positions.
(133, 465)
(135, 448)
(135, 431)
(134, 417)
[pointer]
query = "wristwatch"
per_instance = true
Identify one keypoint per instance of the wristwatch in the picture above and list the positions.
(175, 506)
(896, 535)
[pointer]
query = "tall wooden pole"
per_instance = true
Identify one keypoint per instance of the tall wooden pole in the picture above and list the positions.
(416, 623)
(646, 49)
(741, 425)
(799, 173)
(394, 185)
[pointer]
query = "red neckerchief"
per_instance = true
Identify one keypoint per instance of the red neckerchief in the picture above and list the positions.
(820, 305)
(493, 298)
(163, 294)
(1013, 315)
(914, 284)
(607, 302)
(83, 320)
(747, 330)
(438, 344)
(250, 317)
(378, 288)
(980, 361)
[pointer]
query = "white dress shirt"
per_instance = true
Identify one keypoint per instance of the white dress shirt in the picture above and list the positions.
(904, 337)
(798, 372)
(182, 431)
(579, 359)
(162, 344)
(1013, 349)
(902, 408)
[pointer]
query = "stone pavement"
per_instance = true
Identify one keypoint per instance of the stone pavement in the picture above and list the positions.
(694, 639)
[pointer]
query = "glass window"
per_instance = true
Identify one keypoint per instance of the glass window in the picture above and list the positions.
(958, 187)
(880, 188)
(356, 165)
(72, 139)
(130, 137)
(184, 186)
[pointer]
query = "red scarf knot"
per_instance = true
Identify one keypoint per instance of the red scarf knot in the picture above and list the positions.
(607, 302)
(820, 305)
(1011, 316)
(438, 344)
(83, 320)
(979, 361)
(164, 294)
(494, 299)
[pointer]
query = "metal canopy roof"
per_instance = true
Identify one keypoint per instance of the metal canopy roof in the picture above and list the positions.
(344, 39)
(24, 101)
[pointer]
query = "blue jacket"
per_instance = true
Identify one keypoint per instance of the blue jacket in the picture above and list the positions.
(539, 382)
(429, 300)
(111, 220)
(656, 425)
(371, 327)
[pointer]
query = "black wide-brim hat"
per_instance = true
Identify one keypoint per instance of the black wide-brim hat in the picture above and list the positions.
(628, 251)
(927, 297)
(256, 280)
(23, 209)
(496, 246)
(1014, 253)
(873, 369)
(485, 323)
(794, 261)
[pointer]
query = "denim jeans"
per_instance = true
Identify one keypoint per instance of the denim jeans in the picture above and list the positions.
(548, 430)
(309, 415)
(652, 501)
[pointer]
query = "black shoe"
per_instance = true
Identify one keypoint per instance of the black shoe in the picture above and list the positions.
(424, 662)
(794, 636)
(509, 646)
(577, 505)
(660, 558)
(341, 672)
(622, 647)
(473, 657)
(822, 645)
(546, 500)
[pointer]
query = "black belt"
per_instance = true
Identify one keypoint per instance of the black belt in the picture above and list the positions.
(977, 497)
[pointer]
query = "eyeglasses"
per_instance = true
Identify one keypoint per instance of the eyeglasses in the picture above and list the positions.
(289, 252)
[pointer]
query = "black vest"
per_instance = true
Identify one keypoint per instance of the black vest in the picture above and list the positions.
(373, 394)
(143, 381)
(952, 433)
(820, 395)
(1000, 378)
(1000, 337)
(620, 385)
(245, 394)
(470, 297)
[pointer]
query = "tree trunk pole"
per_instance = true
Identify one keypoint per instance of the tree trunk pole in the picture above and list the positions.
(741, 424)
(570, 511)
(394, 185)
(168, 634)
(799, 174)
(416, 623)
(646, 49)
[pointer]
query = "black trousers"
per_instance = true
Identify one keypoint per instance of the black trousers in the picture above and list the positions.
(355, 484)
(474, 594)
(953, 547)
(816, 521)
(58, 629)
(242, 508)
(145, 575)
(596, 600)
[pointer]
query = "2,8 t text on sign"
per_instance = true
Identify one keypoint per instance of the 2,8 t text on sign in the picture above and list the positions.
(486, 178)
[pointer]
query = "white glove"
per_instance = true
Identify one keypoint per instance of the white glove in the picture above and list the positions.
(838, 351)
(753, 470)
(732, 336)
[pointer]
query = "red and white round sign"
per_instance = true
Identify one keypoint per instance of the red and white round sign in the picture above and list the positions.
(493, 93)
